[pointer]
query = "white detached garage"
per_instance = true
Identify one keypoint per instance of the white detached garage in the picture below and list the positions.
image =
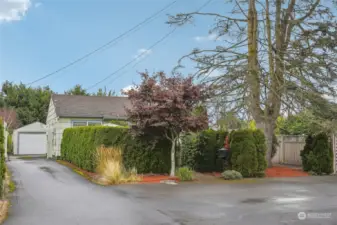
(30, 140)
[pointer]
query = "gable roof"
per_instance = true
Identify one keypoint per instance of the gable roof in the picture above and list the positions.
(106, 107)
(36, 126)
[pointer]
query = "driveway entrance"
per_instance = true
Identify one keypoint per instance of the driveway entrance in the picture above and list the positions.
(49, 193)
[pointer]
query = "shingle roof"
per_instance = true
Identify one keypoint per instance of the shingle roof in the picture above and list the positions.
(90, 106)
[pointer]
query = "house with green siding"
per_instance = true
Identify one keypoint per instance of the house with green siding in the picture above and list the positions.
(76, 110)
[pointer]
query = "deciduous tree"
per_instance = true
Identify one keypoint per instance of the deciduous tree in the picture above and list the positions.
(104, 92)
(274, 55)
(30, 104)
(167, 104)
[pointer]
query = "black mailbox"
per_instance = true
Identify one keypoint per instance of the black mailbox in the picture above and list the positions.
(222, 153)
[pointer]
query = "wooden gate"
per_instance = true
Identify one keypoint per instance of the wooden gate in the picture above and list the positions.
(289, 150)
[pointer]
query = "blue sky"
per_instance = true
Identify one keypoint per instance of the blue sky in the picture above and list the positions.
(38, 37)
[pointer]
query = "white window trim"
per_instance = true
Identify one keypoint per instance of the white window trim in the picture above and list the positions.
(86, 121)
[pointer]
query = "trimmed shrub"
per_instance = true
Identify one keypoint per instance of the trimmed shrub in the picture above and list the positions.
(244, 153)
(2, 158)
(308, 147)
(231, 175)
(324, 155)
(261, 148)
(146, 155)
(199, 150)
(317, 155)
(189, 150)
(185, 174)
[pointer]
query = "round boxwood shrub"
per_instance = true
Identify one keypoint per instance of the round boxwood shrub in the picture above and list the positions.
(243, 153)
(231, 175)
(185, 174)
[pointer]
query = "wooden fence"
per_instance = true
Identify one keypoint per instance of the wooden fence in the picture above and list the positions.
(289, 150)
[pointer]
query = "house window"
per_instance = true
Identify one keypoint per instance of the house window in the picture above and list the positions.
(79, 123)
(86, 123)
(94, 123)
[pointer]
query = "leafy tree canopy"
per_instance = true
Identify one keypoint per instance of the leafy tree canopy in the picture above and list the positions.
(169, 104)
(30, 104)
(77, 90)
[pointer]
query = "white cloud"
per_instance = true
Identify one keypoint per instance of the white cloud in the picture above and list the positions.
(141, 53)
(12, 10)
(210, 37)
(127, 88)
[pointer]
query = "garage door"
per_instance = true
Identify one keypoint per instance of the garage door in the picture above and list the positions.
(32, 143)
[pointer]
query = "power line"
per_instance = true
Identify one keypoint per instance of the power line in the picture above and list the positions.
(134, 60)
(162, 39)
(104, 45)
(139, 56)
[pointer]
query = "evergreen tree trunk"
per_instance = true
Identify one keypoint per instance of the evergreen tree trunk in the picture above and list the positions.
(268, 130)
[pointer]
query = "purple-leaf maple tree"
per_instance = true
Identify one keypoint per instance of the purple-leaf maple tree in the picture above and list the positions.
(168, 104)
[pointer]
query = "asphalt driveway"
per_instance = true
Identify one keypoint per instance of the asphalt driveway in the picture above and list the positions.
(51, 194)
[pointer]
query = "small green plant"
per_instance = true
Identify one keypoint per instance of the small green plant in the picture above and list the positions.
(232, 175)
(11, 186)
(185, 174)
(312, 173)
(10, 182)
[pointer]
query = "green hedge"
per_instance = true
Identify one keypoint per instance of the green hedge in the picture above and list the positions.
(244, 153)
(261, 148)
(317, 155)
(147, 155)
(2, 158)
(9, 144)
(199, 150)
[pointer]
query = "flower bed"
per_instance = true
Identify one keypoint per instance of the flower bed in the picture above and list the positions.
(280, 171)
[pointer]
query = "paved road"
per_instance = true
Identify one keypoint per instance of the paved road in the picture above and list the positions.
(50, 194)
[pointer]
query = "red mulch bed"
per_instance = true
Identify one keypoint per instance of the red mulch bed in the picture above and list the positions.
(157, 178)
(146, 178)
(280, 171)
